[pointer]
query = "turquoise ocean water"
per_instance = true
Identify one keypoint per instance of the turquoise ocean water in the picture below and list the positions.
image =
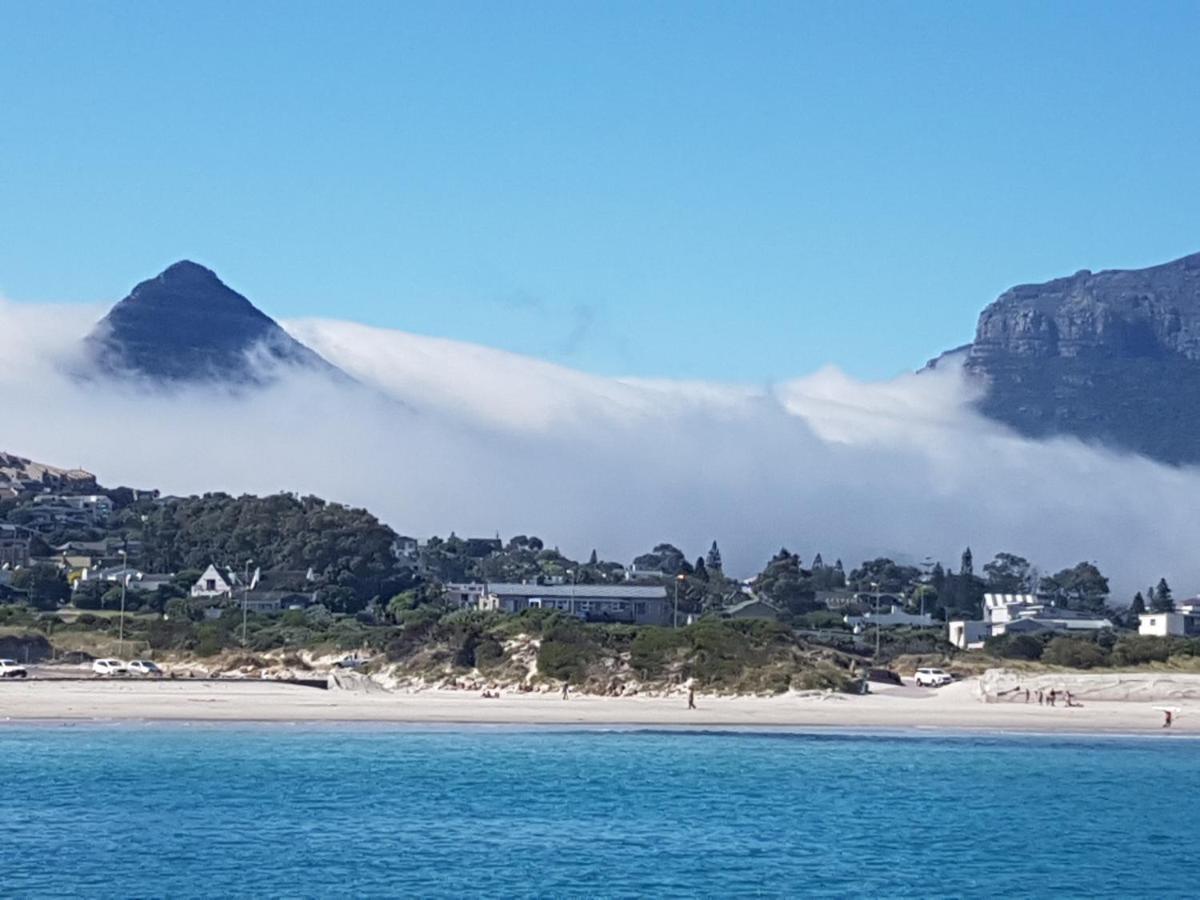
(307, 811)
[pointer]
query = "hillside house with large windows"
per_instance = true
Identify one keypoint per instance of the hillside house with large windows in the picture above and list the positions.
(635, 604)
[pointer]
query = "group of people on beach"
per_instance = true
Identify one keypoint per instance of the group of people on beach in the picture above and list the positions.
(1044, 698)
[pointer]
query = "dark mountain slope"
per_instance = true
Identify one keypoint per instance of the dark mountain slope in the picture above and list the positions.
(1112, 357)
(186, 325)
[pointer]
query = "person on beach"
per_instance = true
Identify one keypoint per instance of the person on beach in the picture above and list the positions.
(565, 686)
(1041, 698)
(1051, 696)
(1168, 718)
(691, 698)
(1026, 695)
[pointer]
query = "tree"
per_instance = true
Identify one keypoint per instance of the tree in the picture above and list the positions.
(45, 586)
(817, 562)
(1136, 608)
(713, 560)
(1081, 587)
(1162, 602)
(701, 571)
(594, 560)
(1007, 573)
(967, 564)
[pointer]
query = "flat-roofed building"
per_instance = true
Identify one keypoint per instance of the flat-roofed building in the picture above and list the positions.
(636, 604)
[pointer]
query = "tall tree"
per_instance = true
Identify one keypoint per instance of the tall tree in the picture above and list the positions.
(817, 562)
(701, 570)
(1136, 608)
(1080, 587)
(1162, 600)
(967, 565)
(714, 557)
(1007, 573)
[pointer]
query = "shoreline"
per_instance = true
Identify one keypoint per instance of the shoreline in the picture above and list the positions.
(951, 710)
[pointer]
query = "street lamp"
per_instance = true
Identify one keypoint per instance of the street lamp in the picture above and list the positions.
(124, 587)
(675, 620)
(245, 598)
(571, 572)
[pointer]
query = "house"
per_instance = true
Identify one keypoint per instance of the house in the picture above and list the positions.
(1184, 621)
(635, 604)
(891, 616)
(88, 509)
(135, 579)
(1021, 614)
(267, 592)
(14, 546)
(751, 608)
(213, 584)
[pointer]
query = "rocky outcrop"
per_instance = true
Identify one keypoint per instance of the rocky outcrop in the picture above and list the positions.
(1111, 357)
(1141, 313)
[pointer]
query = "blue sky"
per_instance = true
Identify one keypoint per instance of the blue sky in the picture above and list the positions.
(729, 191)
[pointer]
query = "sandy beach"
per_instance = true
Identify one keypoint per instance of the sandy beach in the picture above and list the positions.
(954, 707)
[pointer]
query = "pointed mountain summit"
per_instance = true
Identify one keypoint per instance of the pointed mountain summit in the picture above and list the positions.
(186, 325)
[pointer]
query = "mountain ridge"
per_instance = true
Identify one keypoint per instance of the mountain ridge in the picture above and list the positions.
(1110, 357)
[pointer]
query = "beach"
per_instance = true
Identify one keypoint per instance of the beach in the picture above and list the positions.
(955, 707)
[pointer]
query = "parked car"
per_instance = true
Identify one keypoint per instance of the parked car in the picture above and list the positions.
(10, 668)
(929, 677)
(349, 662)
(144, 667)
(109, 667)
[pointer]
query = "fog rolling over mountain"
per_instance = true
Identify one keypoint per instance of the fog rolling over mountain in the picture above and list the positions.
(1111, 357)
(436, 435)
(186, 325)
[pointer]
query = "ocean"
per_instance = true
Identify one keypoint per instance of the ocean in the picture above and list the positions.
(180, 811)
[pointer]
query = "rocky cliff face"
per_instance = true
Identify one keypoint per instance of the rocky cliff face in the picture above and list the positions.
(1112, 357)
(1118, 314)
(186, 325)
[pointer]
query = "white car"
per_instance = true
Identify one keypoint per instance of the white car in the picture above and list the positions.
(108, 667)
(929, 677)
(144, 667)
(10, 668)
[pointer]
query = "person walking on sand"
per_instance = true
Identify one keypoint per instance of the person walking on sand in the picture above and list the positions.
(1052, 695)
(1026, 695)
(1041, 698)
(565, 687)
(691, 698)
(1168, 718)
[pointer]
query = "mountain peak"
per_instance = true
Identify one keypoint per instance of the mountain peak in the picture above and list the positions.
(186, 325)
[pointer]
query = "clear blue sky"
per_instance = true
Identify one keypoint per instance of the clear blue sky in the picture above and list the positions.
(733, 191)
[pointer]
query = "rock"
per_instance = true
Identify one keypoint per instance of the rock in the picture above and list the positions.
(1111, 357)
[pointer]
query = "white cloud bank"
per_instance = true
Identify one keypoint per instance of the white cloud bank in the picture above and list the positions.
(483, 441)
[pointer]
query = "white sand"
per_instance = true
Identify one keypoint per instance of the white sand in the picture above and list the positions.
(953, 707)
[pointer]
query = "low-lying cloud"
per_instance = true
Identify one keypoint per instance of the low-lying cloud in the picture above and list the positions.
(441, 435)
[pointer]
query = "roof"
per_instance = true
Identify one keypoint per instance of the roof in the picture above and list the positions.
(578, 591)
(746, 604)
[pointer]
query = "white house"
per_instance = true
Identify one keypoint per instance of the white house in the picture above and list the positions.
(1184, 621)
(1020, 614)
(213, 584)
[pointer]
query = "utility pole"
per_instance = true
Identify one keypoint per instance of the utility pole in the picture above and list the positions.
(875, 588)
(245, 598)
(675, 618)
(124, 586)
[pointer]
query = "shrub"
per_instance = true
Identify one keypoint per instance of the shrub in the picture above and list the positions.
(1137, 649)
(652, 648)
(1015, 646)
(1074, 653)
